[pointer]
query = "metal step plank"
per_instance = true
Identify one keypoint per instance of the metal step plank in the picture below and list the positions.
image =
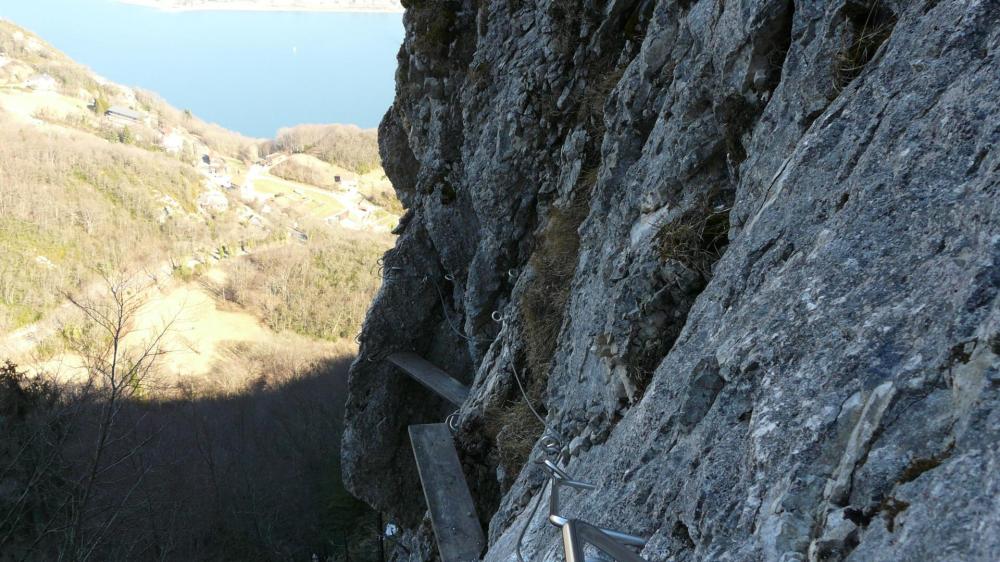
(430, 376)
(453, 514)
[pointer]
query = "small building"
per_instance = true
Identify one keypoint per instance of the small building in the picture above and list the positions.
(224, 181)
(172, 142)
(345, 183)
(42, 83)
(273, 159)
(212, 201)
(123, 115)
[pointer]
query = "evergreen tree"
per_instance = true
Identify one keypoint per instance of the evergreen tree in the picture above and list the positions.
(125, 136)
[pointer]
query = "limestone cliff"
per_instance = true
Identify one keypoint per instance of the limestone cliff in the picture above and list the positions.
(744, 254)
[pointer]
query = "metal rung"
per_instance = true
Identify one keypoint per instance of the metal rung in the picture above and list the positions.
(453, 513)
(430, 376)
(577, 534)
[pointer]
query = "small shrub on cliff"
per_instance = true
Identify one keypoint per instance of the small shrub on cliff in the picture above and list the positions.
(543, 308)
(871, 25)
(516, 430)
(544, 301)
(596, 95)
(433, 25)
(479, 75)
(696, 240)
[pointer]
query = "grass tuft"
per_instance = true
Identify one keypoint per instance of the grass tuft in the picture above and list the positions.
(515, 430)
(872, 25)
(696, 240)
(544, 301)
(543, 308)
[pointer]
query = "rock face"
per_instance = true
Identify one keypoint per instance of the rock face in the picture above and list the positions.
(744, 256)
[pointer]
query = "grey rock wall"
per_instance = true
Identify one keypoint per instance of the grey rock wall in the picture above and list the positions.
(745, 250)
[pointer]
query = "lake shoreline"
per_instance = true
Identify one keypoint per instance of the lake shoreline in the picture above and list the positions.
(253, 7)
(254, 72)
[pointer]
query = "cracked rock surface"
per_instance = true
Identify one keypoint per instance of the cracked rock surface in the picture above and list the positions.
(744, 256)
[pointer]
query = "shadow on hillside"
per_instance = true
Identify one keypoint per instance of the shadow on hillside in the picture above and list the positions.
(252, 475)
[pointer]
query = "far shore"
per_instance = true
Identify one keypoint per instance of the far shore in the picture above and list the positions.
(253, 7)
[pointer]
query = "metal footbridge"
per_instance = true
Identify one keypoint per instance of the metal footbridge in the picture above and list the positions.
(457, 531)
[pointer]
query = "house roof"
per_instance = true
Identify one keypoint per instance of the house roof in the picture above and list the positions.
(124, 112)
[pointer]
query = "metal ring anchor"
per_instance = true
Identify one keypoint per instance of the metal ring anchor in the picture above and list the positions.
(496, 316)
(452, 421)
(551, 445)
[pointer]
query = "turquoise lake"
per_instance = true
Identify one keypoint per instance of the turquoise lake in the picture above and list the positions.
(252, 72)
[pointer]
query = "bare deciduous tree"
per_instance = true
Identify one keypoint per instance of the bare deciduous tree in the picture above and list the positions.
(119, 364)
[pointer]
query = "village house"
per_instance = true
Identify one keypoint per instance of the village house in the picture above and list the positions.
(212, 201)
(346, 183)
(216, 171)
(42, 83)
(223, 180)
(123, 115)
(272, 159)
(172, 141)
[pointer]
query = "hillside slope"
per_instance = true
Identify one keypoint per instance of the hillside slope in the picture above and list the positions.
(745, 255)
(95, 176)
(176, 324)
